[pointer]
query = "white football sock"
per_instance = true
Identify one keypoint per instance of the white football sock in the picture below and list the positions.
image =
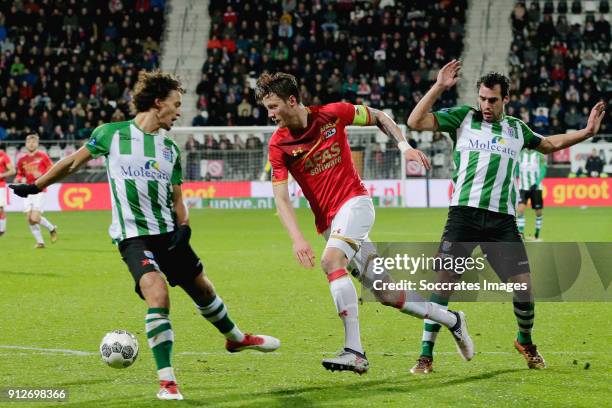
(37, 234)
(166, 374)
(45, 223)
(345, 297)
(429, 310)
(2, 224)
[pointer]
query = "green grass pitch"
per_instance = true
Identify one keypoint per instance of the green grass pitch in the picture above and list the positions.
(67, 296)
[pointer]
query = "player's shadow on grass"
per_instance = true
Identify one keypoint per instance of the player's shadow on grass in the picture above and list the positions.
(324, 394)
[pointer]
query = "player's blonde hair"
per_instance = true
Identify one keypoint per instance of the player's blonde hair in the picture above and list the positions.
(281, 84)
(32, 136)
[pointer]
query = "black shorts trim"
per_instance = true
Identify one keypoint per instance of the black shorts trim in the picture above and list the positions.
(535, 196)
(495, 233)
(150, 254)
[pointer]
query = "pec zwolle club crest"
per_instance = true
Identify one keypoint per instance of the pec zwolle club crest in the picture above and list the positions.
(167, 154)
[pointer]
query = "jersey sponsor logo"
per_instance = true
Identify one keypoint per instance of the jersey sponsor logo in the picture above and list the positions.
(152, 164)
(498, 140)
(77, 197)
(151, 170)
(167, 154)
(495, 146)
(327, 126)
(323, 159)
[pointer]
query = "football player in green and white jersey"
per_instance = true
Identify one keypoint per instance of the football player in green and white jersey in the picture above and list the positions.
(482, 210)
(531, 172)
(150, 222)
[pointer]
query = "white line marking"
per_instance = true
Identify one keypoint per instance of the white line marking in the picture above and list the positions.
(51, 350)
(47, 351)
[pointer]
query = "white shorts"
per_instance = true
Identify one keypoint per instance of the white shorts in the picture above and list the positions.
(351, 226)
(33, 202)
(3, 196)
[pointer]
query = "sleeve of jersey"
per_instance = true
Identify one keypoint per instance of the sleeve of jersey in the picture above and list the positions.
(177, 171)
(350, 114)
(449, 119)
(531, 140)
(100, 141)
(47, 164)
(19, 169)
(280, 173)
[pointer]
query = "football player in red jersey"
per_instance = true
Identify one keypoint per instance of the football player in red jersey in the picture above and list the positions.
(30, 167)
(6, 170)
(311, 143)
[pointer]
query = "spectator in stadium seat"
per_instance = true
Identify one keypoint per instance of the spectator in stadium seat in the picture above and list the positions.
(556, 127)
(572, 118)
(192, 150)
(210, 143)
(594, 164)
(201, 119)
(253, 143)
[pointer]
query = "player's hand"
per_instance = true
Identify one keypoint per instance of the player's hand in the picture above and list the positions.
(303, 253)
(417, 156)
(595, 118)
(180, 237)
(449, 74)
(24, 190)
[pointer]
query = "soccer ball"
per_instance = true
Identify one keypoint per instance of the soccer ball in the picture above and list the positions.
(119, 349)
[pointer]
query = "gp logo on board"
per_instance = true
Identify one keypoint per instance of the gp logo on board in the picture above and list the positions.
(76, 197)
(84, 196)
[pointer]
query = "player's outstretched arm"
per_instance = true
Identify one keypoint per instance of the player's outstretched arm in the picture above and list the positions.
(61, 169)
(10, 170)
(420, 118)
(301, 248)
(390, 128)
(558, 142)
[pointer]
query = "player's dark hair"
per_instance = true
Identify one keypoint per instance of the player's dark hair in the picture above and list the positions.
(282, 84)
(152, 85)
(495, 78)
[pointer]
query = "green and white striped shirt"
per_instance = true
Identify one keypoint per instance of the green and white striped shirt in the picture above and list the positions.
(532, 169)
(141, 170)
(485, 157)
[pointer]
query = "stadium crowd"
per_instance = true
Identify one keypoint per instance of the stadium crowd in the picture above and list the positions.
(384, 53)
(68, 66)
(560, 63)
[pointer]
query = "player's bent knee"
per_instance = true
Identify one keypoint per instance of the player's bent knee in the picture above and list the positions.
(332, 260)
(154, 289)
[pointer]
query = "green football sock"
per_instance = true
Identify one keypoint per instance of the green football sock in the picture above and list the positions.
(431, 328)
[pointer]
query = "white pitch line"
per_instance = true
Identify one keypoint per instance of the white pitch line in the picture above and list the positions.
(225, 353)
(51, 350)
